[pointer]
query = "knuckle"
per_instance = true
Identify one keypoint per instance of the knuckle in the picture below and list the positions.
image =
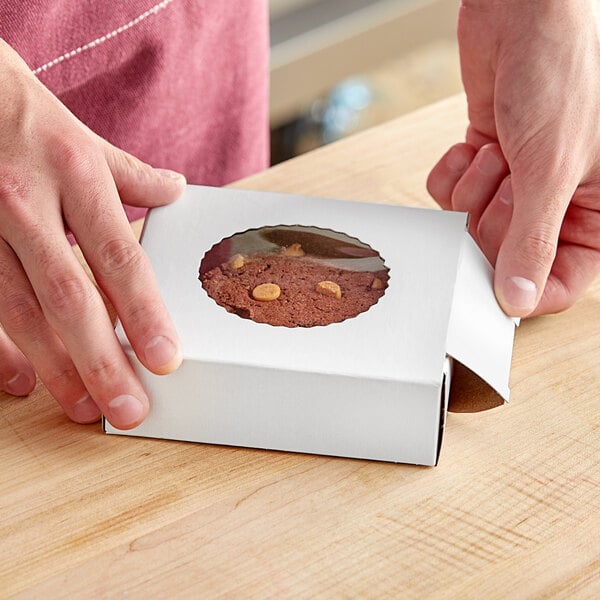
(119, 256)
(127, 162)
(97, 373)
(141, 316)
(21, 313)
(59, 380)
(537, 249)
(80, 158)
(68, 295)
(15, 191)
(131, 165)
(133, 173)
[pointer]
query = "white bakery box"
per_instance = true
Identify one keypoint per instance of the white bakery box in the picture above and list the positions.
(374, 386)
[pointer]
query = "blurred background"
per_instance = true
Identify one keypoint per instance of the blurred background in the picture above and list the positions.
(340, 66)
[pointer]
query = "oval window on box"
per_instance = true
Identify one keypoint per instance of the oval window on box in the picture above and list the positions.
(294, 275)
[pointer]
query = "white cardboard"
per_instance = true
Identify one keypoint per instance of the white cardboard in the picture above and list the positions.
(478, 323)
(374, 386)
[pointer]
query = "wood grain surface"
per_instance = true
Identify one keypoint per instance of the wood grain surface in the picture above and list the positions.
(511, 511)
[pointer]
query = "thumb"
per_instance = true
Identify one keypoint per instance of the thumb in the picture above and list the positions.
(527, 253)
(138, 183)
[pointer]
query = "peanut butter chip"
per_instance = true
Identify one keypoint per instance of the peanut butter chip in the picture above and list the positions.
(236, 261)
(293, 250)
(265, 292)
(329, 288)
(377, 284)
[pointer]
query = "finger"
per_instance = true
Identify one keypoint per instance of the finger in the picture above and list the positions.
(24, 322)
(121, 268)
(577, 261)
(581, 225)
(475, 62)
(477, 139)
(479, 184)
(74, 309)
(525, 257)
(495, 220)
(75, 312)
(447, 173)
(17, 376)
(139, 184)
(574, 269)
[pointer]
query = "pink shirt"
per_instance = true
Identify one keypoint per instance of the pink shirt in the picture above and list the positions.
(181, 84)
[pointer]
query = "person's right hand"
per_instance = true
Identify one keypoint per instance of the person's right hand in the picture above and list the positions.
(54, 174)
(529, 174)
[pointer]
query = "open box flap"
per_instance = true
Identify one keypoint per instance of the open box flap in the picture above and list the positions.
(480, 335)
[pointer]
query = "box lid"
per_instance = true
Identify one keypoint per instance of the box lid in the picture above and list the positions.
(437, 283)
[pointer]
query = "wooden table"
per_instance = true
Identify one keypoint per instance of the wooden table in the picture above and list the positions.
(512, 510)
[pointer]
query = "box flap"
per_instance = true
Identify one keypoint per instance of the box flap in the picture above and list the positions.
(480, 334)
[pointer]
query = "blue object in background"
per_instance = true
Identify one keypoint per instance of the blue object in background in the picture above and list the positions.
(344, 105)
(328, 119)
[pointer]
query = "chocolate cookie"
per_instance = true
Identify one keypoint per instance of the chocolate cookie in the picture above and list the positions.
(291, 288)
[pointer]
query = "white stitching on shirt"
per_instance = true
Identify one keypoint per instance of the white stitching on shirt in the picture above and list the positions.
(67, 55)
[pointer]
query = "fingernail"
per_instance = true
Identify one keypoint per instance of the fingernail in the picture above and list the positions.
(456, 161)
(125, 410)
(172, 175)
(162, 356)
(19, 385)
(85, 410)
(506, 195)
(520, 292)
(487, 162)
